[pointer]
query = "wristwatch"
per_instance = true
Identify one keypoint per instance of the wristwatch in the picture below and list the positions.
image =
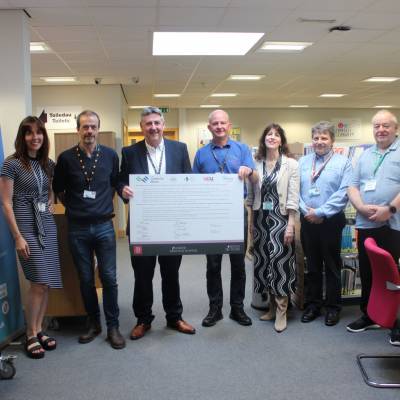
(392, 209)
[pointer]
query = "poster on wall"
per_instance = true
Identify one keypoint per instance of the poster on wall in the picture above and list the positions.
(347, 128)
(204, 137)
(11, 317)
(59, 118)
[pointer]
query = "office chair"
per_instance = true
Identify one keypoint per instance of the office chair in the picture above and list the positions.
(384, 301)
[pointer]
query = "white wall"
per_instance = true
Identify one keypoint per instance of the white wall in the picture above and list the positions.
(105, 100)
(296, 122)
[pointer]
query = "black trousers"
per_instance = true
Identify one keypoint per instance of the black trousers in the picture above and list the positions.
(321, 244)
(238, 276)
(143, 268)
(388, 239)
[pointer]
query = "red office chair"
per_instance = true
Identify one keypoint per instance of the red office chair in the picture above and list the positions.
(384, 300)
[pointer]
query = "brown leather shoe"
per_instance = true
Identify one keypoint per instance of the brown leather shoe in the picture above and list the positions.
(182, 327)
(139, 331)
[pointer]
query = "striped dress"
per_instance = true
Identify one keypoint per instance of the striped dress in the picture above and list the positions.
(36, 226)
(274, 263)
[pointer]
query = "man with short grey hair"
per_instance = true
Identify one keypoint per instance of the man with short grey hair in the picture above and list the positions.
(324, 178)
(154, 155)
(375, 193)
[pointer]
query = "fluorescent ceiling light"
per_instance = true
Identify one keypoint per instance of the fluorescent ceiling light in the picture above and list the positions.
(381, 79)
(210, 105)
(39, 47)
(284, 46)
(246, 77)
(332, 95)
(383, 107)
(224, 95)
(204, 43)
(56, 79)
(137, 107)
(299, 106)
(166, 95)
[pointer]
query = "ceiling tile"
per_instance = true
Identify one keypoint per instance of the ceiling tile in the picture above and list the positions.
(45, 3)
(121, 3)
(337, 5)
(193, 16)
(376, 20)
(194, 3)
(123, 16)
(47, 16)
(254, 20)
(76, 46)
(61, 33)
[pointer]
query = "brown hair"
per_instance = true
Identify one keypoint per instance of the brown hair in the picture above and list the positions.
(262, 148)
(21, 150)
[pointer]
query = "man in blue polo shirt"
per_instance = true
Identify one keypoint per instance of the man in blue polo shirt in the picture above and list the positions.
(375, 193)
(225, 156)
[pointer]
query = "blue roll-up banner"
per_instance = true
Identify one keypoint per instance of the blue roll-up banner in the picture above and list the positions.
(11, 317)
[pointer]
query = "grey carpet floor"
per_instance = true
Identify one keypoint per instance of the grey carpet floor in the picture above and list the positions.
(227, 361)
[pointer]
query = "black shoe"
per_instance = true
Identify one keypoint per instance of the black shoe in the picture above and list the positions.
(213, 316)
(395, 337)
(361, 324)
(115, 338)
(93, 331)
(310, 314)
(331, 318)
(238, 315)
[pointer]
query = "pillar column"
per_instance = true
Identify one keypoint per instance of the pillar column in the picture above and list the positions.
(15, 74)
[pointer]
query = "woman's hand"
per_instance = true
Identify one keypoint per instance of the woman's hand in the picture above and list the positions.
(22, 247)
(289, 235)
(51, 206)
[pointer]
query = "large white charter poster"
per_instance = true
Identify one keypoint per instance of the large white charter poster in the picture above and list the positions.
(186, 214)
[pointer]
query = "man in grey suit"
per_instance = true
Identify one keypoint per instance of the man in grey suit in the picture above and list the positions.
(154, 155)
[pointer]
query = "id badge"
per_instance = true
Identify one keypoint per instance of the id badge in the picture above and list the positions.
(267, 205)
(89, 194)
(41, 206)
(370, 185)
(314, 191)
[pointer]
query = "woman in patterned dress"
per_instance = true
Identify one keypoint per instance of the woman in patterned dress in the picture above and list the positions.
(27, 202)
(275, 201)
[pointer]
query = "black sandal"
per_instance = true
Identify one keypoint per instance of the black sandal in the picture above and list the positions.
(45, 340)
(33, 347)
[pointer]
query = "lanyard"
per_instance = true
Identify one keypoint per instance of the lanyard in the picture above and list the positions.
(316, 174)
(222, 165)
(39, 179)
(379, 161)
(157, 171)
(88, 175)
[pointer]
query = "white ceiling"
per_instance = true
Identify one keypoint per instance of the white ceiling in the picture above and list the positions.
(112, 40)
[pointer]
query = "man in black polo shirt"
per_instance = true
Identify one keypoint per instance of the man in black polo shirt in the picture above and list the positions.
(85, 178)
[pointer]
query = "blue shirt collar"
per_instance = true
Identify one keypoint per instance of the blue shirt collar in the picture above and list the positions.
(215, 146)
(323, 157)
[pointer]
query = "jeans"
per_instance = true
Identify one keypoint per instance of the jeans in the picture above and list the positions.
(99, 239)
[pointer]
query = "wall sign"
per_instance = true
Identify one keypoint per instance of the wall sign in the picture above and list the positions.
(59, 118)
(347, 128)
